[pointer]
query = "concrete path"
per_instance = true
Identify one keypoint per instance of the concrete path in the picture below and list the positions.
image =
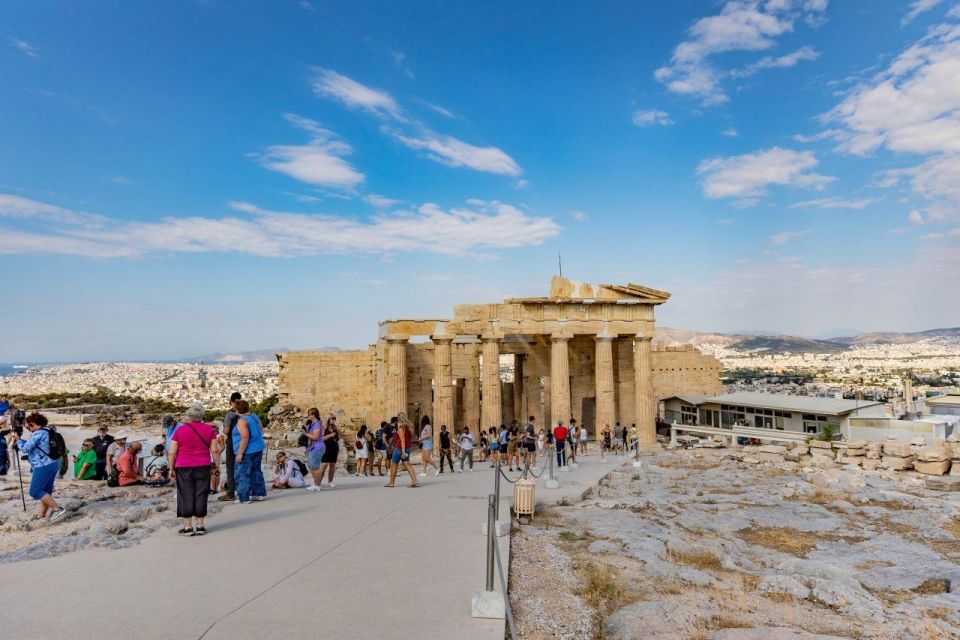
(358, 561)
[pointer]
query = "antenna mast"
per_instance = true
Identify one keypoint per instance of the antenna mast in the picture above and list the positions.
(560, 264)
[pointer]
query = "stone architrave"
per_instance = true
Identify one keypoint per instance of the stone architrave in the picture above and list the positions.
(396, 376)
(606, 406)
(559, 380)
(443, 387)
(644, 398)
(491, 409)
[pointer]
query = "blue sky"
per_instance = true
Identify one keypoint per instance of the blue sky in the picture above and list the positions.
(190, 177)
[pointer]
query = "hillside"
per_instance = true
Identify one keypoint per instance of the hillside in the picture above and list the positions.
(891, 337)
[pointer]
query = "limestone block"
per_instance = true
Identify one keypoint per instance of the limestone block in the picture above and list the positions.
(857, 444)
(854, 460)
(772, 448)
(751, 460)
(918, 441)
(955, 467)
(790, 456)
(870, 464)
(899, 463)
(823, 462)
(822, 453)
(801, 449)
(897, 448)
(932, 468)
(820, 444)
(855, 452)
(873, 454)
(933, 454)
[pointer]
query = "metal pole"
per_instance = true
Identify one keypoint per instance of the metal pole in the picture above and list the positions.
(636, 445)
(550, 462)
(491, 538)
(496, 486)
(526, 466)
(16, 454)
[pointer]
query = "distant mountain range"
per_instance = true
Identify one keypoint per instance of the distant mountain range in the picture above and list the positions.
(239, 357)
(795, 344)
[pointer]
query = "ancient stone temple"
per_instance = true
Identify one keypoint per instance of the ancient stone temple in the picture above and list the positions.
(582, 352)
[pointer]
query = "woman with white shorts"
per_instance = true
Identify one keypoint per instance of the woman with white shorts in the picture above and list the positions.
(363, 453)
(426, 446)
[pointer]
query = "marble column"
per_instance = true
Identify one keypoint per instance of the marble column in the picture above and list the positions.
(645, 403)
(519, 404)
(603, 374)
(559, 380)
(396, 383)
(491, 410)
(442, 387)
(471, 394)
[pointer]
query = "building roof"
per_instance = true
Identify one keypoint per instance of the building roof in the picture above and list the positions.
(691, 398)
(952, 399)
(802, 404)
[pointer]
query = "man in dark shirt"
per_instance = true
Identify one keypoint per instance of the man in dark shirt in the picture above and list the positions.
(229, 422)
(530, 441)
(445, 448)
(101, 442)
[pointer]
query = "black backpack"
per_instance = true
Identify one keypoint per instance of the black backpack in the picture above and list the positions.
(58, 448)
(18, 417)
(302, 467)
(303, 441)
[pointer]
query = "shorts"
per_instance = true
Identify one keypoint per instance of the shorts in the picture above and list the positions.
(398, 455)
(362, 454)
(426, 445)
(380, 453)
(494, 446)
(530, 446)
(511, 449)
(618, 442)
(314, 459)
(41, 482)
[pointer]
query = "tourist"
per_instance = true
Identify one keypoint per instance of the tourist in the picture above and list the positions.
(360, 445)
(41, 450)
(85, 463)
(426, 446)
(192, 448)
(331, 438)
(513, 442)
(530, 442)
(4, 454)
(230, 456)
(503, 441)
(215, 463)
(618, 438)
(101, 442)
(128, 470)
(169, 427)
(634, 438)
(445, 447)
(249, 445)
(484, 445)
(573, 438)
(380, 448)
(288, 474)
(494, 447)
(368, 438)
(583, 439)
(541, 441)
(402, 444)
(315, 448)
(117, 447)
(388, 437)
(465, 447)
(606, 438)
(156, 470)
(560, 441)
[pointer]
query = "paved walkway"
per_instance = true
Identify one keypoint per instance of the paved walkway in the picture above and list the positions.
(358, 561)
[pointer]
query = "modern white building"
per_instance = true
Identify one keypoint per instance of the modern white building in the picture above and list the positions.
(947, 405)
(802, 414)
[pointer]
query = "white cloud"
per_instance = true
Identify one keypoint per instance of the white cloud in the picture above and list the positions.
(456, 153)
(330, 84)
(25, 47)
(777, 62)
(650, 117)
(731, 133)
(835, 203)
(741, 25)
(579, 216)
(784, 237)
(521, 184)
(399, 59)
(725, 221)
(305, 4)
(954, 12)
(834, 134)
(915, 217)
(916, 8)
(932, 236)
(380, 202)
(446, 113)
(750, 174)
(437, 277)
(18, 207)
(938, 178)
(121, 180)
(472, 230)
(319, 162)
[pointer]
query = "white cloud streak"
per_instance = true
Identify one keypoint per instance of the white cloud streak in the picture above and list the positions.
(650, 117)
(319, 162)
(835, 203)
(456, 153)
(784, 237)
(916, 8)
(25, 47)
(749, 175)
(330, 84)
(427, 228)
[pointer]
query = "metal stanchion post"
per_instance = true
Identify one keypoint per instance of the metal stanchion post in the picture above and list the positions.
(636, 449)
(491, 538)
(552, 482)
(496, 486)
(486, 602)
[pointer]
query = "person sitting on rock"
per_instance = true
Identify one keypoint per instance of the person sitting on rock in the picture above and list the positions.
(85, 463)
(288, 474)
(129, 474)
(155, 467)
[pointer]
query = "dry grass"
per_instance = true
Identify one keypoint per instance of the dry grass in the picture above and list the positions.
(727, 622)
(873, 564)
(952, 526)
(932, 587)
(697, 558)
(782, 597)
(572, 537)
(891, 597)
(785, 539)
(602, 589)
(893, 526)
(892, 505)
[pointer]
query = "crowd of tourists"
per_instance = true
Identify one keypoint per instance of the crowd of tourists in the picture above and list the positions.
(193, 452)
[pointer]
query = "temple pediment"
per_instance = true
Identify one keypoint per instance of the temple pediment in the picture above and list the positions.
(567, 290)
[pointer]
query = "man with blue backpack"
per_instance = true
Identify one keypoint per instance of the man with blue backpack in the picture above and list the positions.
(44, 448)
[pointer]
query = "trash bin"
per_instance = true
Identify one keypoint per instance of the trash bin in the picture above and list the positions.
(524, 497)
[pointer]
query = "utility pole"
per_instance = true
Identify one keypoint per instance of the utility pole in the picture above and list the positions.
(560, 263)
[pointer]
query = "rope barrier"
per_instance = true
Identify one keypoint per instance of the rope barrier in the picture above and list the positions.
(506, 477)
(506, 595)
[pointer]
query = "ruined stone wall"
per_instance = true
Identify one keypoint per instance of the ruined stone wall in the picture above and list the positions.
(332, 381)
(684, 370)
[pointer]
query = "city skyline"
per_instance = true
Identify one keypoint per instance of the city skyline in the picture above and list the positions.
(215, 178)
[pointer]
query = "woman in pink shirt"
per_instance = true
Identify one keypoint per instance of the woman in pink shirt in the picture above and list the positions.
(193, 449)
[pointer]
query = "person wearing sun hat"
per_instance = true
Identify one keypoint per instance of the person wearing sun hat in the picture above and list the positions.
(116, 448)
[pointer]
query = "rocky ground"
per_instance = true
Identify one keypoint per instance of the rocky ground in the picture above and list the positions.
(696, 544)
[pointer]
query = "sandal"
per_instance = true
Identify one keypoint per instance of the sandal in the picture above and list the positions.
(390, 486)
(414, 486)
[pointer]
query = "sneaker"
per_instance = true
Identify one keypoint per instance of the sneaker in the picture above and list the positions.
(331, 485)
(58, 514)
(238, 501)
(313, 487)
(199, 531)
(227, 497)
(422, 474)
(259, 498)
(186, 532)
(437, 472)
